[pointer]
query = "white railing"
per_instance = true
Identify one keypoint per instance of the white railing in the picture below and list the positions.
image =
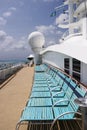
(66, 34)
(5, 73)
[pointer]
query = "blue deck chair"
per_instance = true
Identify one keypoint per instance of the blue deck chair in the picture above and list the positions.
(71, 107)
(40, 89)
(39, 102)
(72, 85)
(66, 112)
(38, 68)
(56, 85)
(67, 96)
(50, 75)
(63, 91)
(39, 76)
(40, 85)
(60, 85)
(32, 114)
(40, 82)
(82, 92)
(40, 94)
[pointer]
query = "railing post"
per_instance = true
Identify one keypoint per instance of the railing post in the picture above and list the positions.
(82, 102)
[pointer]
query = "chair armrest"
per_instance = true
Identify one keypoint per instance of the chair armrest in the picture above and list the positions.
(58, 93)
(65, 113)
(58, 102)
(55, 88)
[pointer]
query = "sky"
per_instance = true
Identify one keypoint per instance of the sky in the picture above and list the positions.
(18, 18)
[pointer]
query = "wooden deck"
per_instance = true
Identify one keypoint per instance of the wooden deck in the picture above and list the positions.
(13, 97)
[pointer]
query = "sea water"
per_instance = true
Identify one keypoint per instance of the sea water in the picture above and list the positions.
(8, 68)
(7, 64)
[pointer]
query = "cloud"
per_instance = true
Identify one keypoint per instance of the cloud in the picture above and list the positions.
(21, 3)
(12, 8)
(61, 19)
(2, 21)
(12, 48)
(7, 42)
(46, 29)
(7, 14)
(50, 32)
(51, 42)
(44, 0)
(48, 0)
(2, 35)
(21, 44)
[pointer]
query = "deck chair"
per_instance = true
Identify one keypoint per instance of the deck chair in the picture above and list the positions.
(69, 112)
(33, 115)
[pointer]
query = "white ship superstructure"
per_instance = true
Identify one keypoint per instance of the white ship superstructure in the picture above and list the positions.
(70, 54)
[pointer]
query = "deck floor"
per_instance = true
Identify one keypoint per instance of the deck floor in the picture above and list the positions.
(13, 97)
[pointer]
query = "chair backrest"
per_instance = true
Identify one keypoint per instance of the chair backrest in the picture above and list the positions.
(67, 80)
(72, 84)
(69, 93)
(73, 104)
(65, 86)
(61, 81)
(81, 91)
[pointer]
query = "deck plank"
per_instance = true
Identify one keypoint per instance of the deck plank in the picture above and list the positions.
(13, 97)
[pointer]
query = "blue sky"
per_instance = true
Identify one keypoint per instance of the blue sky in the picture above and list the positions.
(18, 18)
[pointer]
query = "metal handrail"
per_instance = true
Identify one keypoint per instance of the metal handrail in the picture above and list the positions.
(71, 112)
(58, 93)
(54, 88)
(67, 35)
(62, 100)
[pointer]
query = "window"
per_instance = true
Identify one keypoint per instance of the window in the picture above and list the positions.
(67, 71)
(76, 67)
(66, 65)
(76, 76)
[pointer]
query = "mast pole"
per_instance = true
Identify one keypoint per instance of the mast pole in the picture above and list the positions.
(70, 16)
(85, 20)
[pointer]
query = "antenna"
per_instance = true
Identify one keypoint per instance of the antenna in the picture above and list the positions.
(85, 7)
(86, 15)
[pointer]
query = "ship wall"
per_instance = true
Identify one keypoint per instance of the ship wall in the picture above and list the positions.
(38, 59)
(84, 73)
(57, 59)
(54, 58)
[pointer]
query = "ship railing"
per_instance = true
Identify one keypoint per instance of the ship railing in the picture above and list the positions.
(6, 73)
(67, 35)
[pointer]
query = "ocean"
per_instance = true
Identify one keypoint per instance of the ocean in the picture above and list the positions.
(9, 63)
(8, 68)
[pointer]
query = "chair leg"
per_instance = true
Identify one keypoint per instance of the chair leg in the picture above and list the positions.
(17, 126)
(29, 126)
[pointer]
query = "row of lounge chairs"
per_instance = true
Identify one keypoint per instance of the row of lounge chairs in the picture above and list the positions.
(52, 98)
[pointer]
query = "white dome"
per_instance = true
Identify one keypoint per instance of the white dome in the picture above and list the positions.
(36, 39)
(31, 56)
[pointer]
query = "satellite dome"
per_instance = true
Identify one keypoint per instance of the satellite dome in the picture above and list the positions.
(36, 39)
(30, 57)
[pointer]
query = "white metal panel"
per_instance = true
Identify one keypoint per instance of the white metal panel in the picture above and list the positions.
(84, 73)
(75, 47)
(55, 59)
